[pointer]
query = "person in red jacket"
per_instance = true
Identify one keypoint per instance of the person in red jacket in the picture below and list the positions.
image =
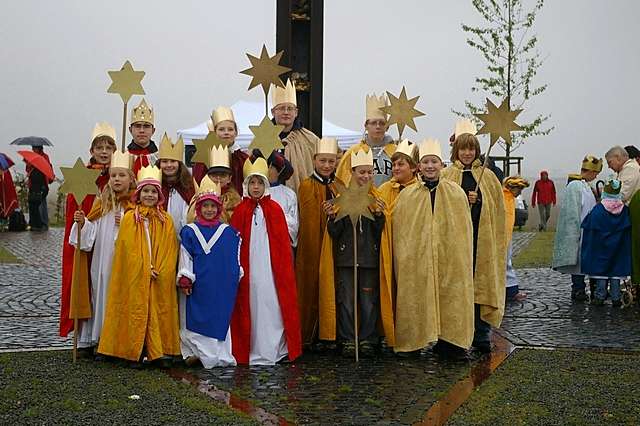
(544, 195)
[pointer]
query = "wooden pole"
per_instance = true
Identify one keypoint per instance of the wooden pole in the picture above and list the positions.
(484, 166)
(75, 319)
(124, 125)
(355, 289)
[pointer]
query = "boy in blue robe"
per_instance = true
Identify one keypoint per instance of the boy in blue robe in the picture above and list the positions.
(209, 273)
(606, 244)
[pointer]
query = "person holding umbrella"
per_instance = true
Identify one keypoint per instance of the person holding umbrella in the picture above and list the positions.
(8, 196)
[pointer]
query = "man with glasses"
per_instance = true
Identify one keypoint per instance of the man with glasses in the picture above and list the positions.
(299, 143)
(142, 129)
(375, 138)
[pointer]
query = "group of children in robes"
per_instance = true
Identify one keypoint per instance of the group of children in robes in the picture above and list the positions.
(185, 266)
(594, 237)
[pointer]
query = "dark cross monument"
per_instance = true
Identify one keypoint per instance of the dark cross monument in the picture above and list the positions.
(299, 32)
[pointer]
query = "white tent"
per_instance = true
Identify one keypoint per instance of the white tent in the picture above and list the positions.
(251, 113)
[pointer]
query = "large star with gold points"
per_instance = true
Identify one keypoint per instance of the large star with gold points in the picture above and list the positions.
(204, 146)
(265, 70)
(354, 201)
(499, 122)
(126, 82)
(266, 137)
(402, 111)
(79, 181)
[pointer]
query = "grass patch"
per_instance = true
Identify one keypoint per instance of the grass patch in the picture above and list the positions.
(46, 388)
(7, 257)
(538, 254)
(538, 387)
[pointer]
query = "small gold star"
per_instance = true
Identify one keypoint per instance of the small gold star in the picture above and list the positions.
(126, 82)
(499, 122)
(79, 181)
(266, 137)
(402, 111)
(265, 70)
(204, 146)
(354, 201)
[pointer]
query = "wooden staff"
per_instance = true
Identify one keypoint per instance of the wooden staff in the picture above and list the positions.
(124, 125)
(75, 319)
(484, 166)
(355, 288)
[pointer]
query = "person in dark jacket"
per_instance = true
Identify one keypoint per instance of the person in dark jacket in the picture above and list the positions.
(38, 190)
(544, 194)
(368, 234)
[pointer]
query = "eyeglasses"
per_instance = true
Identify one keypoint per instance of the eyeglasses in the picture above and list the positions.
(286, 109)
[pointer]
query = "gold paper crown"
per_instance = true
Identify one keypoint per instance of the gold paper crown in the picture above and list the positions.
(327, 146)
(222, 113)
(373, 105)
(208, 186)
(142, 112)
(465, 126)
(121, 159)
(362, 158)
(407, 148)
(103, 129)
(258, 167)
(515, 182)
(149, 173)
(430, 147)
(219, 157)
(591, 162)
(169, 151)
(286, 95)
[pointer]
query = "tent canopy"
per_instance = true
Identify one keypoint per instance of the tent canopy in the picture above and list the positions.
(251, 113)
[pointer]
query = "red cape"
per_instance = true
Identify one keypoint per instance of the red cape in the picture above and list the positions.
(8, 197)
(186, 194)
(66, 324)
(283, 274)
(238, 158)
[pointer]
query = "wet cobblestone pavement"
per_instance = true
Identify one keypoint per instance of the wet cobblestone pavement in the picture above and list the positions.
(30, 291)
(326, 388)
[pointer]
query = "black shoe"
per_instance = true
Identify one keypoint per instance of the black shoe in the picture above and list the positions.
(616, 303)
(163, 363)
(447, 350)
(482, 347)
(579, 296)
(597, 302)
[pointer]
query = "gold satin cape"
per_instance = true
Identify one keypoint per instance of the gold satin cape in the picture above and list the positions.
(300, 146)
(509, 214)
(343, 171)
(327, 291)
(389, 192)
(490, 274)
(313, 222)
(142, 312)
(80, 306)
(433, 262)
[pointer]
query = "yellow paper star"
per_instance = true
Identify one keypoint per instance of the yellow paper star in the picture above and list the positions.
(204, 146)
(79, 181)
(126, 82)
(354, 201)
(499, 122)
(266, 137)
(402, 111)
(265, 70)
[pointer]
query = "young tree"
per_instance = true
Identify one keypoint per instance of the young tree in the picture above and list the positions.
(513, 61)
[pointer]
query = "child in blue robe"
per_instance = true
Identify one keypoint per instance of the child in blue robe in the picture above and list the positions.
(209, 273)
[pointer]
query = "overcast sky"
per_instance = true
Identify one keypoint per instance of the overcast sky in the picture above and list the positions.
(56, 54)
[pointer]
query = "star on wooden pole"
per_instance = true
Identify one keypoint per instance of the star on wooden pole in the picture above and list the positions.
(402, 111)
(354, 201)
(204, 146)
(126, 83)
(499, 122)
(266, 137)
(79, 181)
(265, 71)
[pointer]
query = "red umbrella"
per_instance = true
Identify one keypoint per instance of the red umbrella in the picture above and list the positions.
(39, 162)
